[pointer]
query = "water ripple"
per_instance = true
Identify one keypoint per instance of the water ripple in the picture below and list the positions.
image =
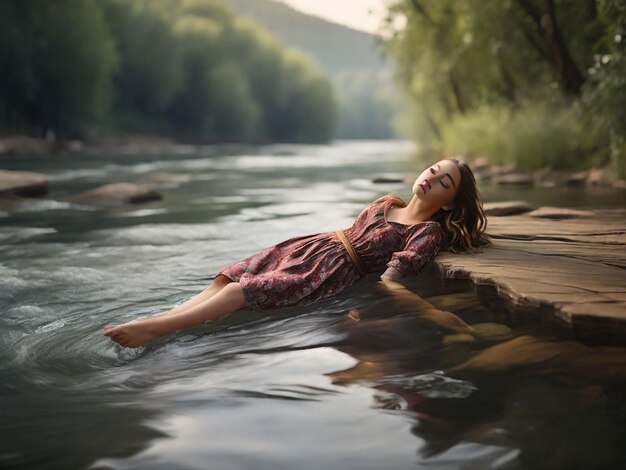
(433, 385)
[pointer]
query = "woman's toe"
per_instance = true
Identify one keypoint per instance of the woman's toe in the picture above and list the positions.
(108, 328)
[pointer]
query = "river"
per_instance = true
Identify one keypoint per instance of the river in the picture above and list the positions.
(304, 388)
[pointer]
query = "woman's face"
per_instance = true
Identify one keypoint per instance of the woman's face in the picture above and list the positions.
(438, 184)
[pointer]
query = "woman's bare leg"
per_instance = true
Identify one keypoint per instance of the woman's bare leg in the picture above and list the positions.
(217, 285)
(139, 332)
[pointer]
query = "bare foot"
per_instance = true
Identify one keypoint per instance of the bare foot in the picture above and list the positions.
(133, 334)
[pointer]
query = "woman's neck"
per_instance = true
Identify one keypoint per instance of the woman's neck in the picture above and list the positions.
(417, 211)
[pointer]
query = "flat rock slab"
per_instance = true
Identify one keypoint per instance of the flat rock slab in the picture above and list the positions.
(575, 268)
(22, 184)
(559, 213)
(507, 208)
(119, 193)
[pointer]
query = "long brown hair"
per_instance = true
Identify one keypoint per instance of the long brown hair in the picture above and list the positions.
(464, 226)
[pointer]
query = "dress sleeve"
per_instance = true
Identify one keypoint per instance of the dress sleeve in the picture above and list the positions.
(419, 249)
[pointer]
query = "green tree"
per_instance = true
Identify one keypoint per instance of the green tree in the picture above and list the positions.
(260, 56)
(215, 103)
(185, 68)
(307, 112)
(57, 59)
(604, 93)
(491, 66)
(150, 71)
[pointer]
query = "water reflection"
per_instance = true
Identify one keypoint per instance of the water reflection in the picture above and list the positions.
(551, 401)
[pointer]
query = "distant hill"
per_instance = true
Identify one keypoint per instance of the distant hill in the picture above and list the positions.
(334, 46)
(361, 75)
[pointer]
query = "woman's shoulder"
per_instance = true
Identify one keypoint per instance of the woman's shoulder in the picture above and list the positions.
(427, 228)
(390, 198)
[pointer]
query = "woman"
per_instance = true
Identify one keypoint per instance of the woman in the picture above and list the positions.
(389, 237)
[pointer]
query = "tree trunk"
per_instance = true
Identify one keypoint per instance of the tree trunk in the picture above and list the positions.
(552, 46)
(508, 79)
(433, 125)
(571, 76)
(458, 95)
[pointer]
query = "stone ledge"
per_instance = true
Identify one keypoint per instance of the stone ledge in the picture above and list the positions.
(575, 268)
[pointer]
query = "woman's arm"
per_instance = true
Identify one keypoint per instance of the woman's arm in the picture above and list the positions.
(410, 300)
(391, 274)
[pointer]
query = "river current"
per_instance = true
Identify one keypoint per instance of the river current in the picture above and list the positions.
(302, 388)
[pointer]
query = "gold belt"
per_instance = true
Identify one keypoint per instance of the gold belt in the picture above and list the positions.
(352, 252)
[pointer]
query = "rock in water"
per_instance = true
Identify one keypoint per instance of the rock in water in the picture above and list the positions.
(23, 184)
(507, 208)
(515, 179)
(164, 179)
(559, 213)
(492, 332)
(119, 193)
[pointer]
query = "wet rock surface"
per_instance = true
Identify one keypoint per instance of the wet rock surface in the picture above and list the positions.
(559, 213)
(166, 180)
(507, 208)
(22, 184)
(574, 267)
(119, 193)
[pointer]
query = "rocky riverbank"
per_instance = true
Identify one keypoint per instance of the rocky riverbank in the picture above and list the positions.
(22, 184)
(549, 177)
(572, 265)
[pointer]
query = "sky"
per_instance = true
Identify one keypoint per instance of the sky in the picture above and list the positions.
(364, 15)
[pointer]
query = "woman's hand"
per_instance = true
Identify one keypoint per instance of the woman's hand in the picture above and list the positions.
(391, 274)
(447, 320)
(411, 301)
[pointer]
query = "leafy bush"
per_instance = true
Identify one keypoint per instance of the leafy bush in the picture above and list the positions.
(531, 136)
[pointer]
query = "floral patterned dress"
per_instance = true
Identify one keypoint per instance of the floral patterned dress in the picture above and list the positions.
(307, 269)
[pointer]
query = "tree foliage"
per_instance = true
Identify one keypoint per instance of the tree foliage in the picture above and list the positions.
(57, 59)
(361, 74)
(185, 68)
(458, 58)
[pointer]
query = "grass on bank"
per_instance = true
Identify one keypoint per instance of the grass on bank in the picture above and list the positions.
(533, 136)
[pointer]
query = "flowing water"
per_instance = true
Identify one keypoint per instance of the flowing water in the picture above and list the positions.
(302, 388)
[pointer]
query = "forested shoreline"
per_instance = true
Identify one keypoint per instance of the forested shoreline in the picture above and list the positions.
(530, 82)
(189, 70)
